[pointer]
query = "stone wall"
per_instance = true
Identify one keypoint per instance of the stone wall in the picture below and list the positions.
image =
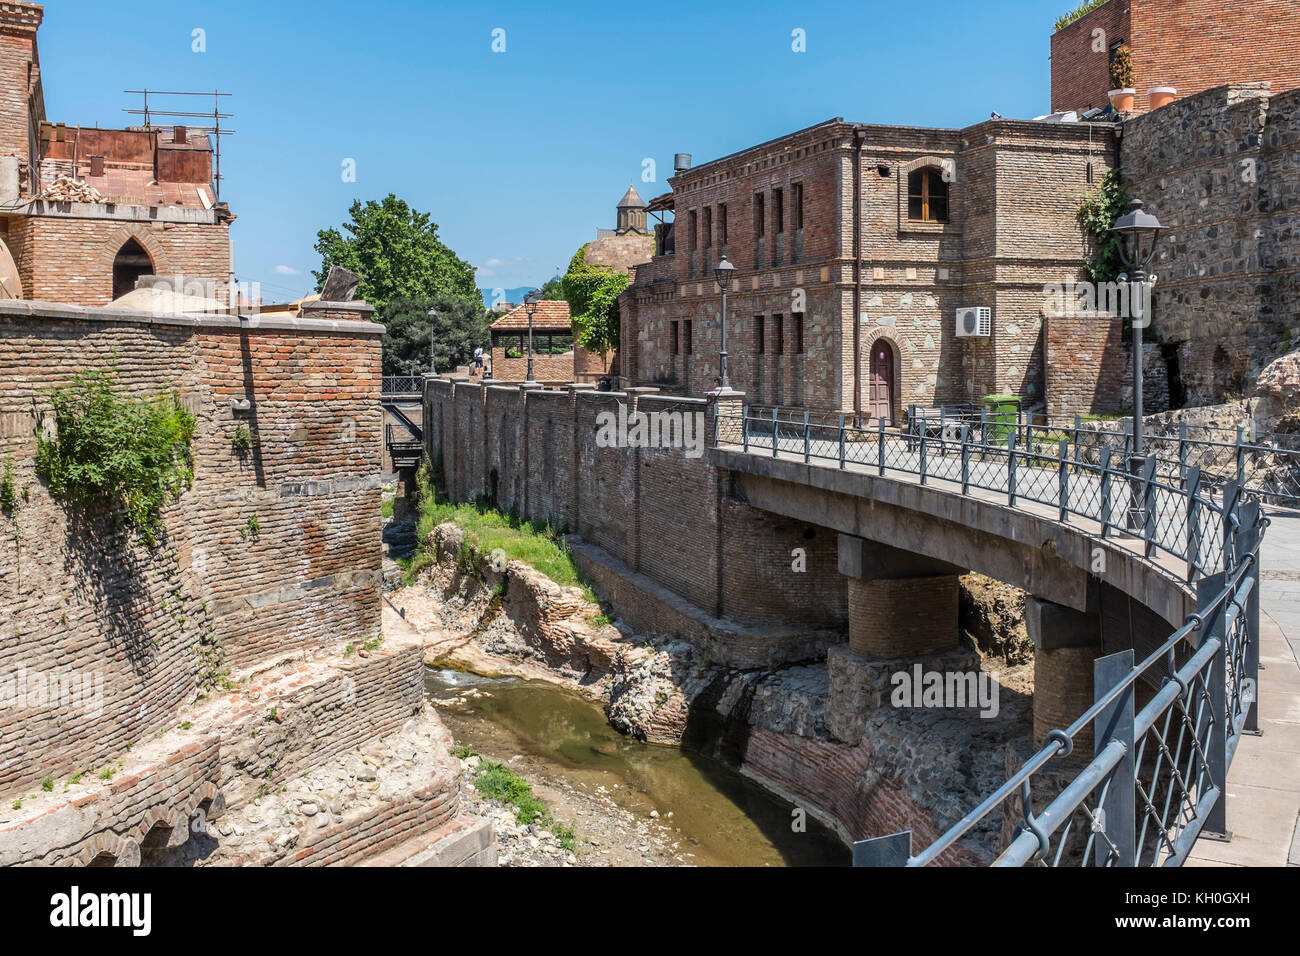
(79, 599)
(1221, 170)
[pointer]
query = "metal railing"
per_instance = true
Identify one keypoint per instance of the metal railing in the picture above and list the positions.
(1268, 465)
(1156, 780)
(402, 385)
(1182, 515)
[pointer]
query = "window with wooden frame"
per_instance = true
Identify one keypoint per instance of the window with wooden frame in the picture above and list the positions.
(927, 195)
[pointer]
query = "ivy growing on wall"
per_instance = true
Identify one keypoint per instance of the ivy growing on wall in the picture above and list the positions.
(125, 456)
(592, 292)
(1097, 213)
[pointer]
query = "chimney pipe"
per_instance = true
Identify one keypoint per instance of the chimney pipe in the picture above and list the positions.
(179, 134)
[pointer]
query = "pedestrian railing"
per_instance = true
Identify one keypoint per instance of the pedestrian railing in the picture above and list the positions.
(402, 385)
(1164, 730)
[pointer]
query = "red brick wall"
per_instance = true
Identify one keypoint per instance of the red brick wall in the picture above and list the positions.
(1081, 57)
(70, 260)
(73, 598)
(1189, 44)
(19, 79)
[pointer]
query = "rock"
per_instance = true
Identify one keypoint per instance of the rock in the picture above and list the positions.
(1281, 380)
(308, 809)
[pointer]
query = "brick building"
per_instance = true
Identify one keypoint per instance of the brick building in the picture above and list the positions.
(855, 246)
(84, 213)
(1192, 45)
(553, 359)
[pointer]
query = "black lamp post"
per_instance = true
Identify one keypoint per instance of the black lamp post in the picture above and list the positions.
(433, 318)
(723, 273)
(530, 306)
(1137, 232)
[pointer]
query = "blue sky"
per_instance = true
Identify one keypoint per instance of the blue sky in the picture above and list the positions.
(519, 156)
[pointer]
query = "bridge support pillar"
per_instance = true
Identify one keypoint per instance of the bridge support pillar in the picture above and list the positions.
(900, 604)
(1067, 644)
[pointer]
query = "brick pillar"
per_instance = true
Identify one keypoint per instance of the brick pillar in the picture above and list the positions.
(1066, 645)
(730, 403)
(902, 617)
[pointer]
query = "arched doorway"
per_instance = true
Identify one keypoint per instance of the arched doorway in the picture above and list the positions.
(880, 383)
(130, 264)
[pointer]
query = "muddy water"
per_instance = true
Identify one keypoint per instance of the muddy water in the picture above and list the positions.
(724, 818)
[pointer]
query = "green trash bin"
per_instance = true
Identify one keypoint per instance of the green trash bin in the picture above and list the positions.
(1003, 416)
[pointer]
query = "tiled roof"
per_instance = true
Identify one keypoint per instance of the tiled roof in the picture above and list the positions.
(550, 315)
(631, 200)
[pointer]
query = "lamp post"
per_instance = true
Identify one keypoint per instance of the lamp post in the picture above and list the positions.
(530, 306)
(723, 273)
(1137, 232)
(433, 317)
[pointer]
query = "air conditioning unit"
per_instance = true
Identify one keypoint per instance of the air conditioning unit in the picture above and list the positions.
(974, 321)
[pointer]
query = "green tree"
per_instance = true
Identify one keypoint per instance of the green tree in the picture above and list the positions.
(553, 290)
(592, 293)
(460, 327)
(397, 251)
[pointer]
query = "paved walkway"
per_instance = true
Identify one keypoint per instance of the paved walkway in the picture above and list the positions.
(1264, 780)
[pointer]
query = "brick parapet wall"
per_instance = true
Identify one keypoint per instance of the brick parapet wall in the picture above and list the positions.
(658, 511)
(133, 621)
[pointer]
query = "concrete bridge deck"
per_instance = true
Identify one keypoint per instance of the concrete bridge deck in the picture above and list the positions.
(1263, 790)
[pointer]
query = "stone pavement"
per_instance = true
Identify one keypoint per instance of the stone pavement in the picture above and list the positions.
(1264, 780)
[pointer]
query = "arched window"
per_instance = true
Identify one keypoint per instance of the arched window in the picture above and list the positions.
(927, 195)
(131, 263)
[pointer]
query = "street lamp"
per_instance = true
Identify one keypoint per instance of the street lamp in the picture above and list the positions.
(433, 318)
(530, 305)
(1137, 232)
(723, 273)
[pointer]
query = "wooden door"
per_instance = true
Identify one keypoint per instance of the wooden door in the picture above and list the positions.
(880, 388)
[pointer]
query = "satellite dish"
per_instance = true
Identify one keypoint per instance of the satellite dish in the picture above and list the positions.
(11, 284)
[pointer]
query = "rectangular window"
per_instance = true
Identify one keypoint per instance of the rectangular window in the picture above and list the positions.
(672, 338)
(694, 227)
(722, 224)
(778, 334)
(690, 339)
(778, 210)
(758, 334)
(708, 226)
(798, 205)
(760, 221)
(797, 319)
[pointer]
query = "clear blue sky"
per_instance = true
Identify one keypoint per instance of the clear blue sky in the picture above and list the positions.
(519, 156)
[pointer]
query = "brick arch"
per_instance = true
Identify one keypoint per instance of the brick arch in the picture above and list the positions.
(122, 851)
(922, 162)
(115, 242)
(889, 335)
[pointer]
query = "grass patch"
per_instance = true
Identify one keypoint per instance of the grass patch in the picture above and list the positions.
(539, 544)
(387, 507)
(497, 782)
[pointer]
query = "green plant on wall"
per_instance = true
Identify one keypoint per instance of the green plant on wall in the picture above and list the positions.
(252, 527)
(125, 456)
(8, 489)
(1064, 21)
(1096, 214)
(243, 441)
(1121, 69)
